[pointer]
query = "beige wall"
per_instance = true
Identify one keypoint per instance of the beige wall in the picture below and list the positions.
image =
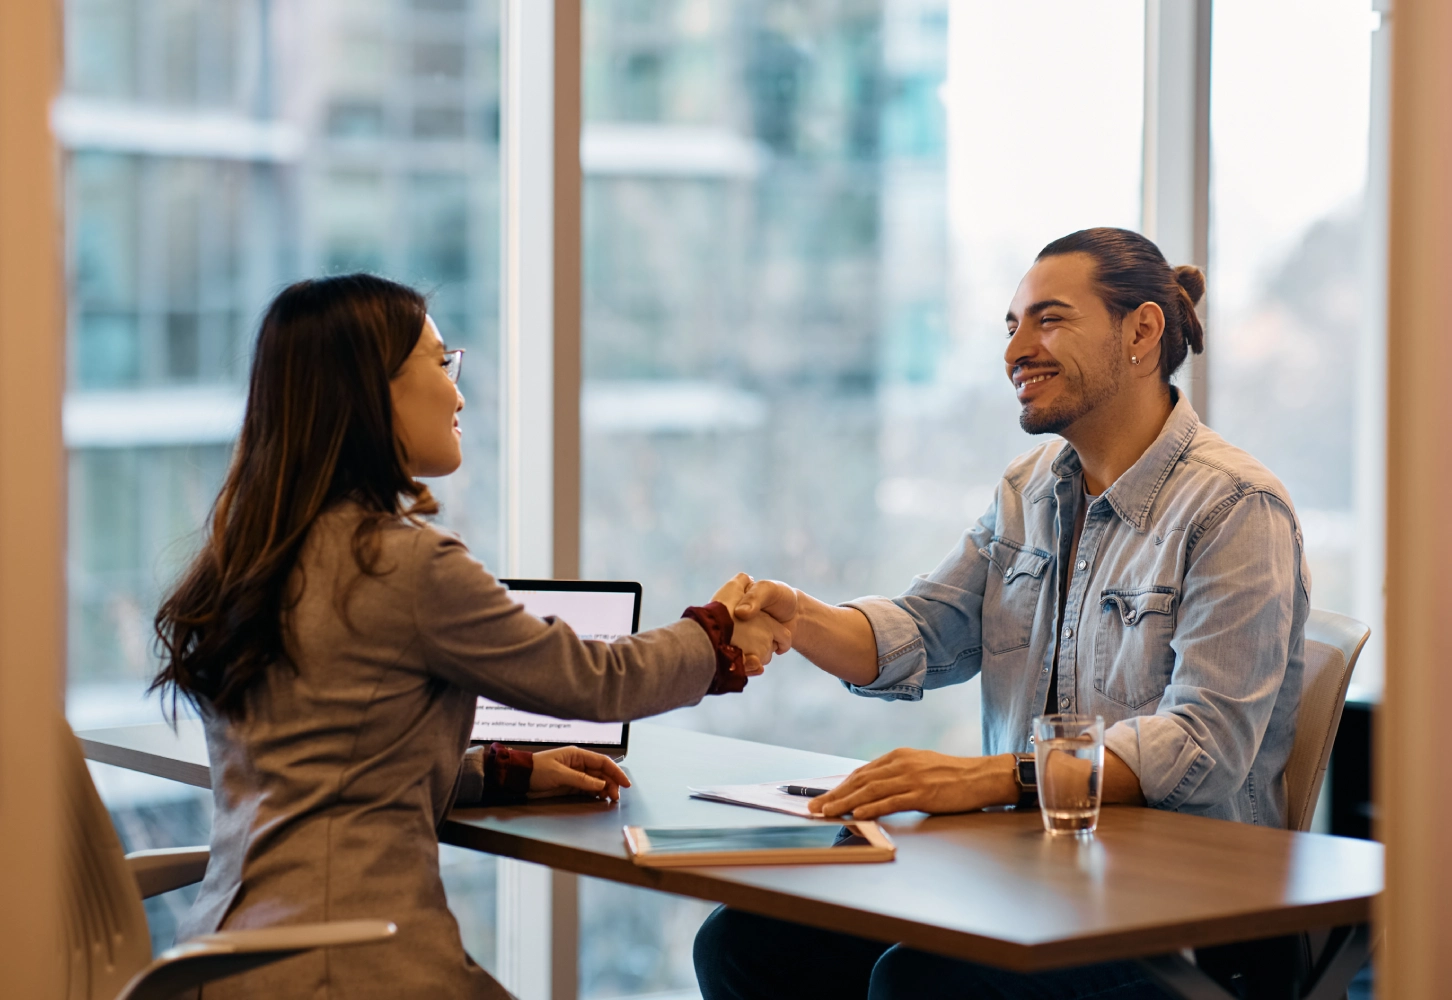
(1415, 729)
(32, 500)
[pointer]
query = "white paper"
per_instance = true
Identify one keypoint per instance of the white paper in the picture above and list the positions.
(768, 795)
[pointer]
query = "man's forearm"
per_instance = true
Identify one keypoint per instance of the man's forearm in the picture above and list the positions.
(839, 640)
(1121, 785)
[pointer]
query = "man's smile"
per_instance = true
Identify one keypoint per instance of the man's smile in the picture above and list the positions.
(1027, 382)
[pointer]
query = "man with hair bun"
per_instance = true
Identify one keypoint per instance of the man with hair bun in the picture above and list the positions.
(1141, 568)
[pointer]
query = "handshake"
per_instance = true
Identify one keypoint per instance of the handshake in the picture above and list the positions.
(765, 614)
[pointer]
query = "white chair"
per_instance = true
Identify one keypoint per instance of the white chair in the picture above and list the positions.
(1333, 643)
(107, 940)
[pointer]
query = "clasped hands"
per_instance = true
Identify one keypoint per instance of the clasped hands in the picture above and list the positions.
(758, 636)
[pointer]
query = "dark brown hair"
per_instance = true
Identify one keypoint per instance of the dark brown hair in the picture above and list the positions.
(318, 429)
(1129, 271)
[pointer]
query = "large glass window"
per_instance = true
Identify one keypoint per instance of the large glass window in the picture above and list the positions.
(216, 150)
(803, 224)
(1292, 314)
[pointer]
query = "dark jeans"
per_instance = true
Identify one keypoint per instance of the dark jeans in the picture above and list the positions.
(740, 956)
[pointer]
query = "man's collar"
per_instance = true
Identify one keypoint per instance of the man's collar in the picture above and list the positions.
(1133, 493)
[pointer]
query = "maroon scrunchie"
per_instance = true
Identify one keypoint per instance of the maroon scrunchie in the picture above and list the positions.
(506, 773)
(730, 664)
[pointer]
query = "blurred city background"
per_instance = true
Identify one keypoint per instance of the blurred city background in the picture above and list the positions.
(803, 222)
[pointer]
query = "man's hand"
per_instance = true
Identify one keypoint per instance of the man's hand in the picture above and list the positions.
(773, 597)
(757, 638)
(921, 779)
(837, 639)
(572, 771)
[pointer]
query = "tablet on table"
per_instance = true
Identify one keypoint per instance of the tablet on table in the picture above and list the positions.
(800, 844)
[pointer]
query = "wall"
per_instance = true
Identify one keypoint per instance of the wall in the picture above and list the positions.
(32, 501)
(1415, 779)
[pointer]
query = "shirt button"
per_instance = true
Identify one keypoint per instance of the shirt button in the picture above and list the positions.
(1068, 632)
(1129, 615)
(1064, 703)
(1008, 574)
(1081, 565)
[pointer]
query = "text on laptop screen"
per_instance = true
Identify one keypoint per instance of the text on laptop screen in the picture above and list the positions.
(593, 615)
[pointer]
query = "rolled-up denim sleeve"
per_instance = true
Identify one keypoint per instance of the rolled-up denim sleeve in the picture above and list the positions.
(1232, 643)
(932, 635)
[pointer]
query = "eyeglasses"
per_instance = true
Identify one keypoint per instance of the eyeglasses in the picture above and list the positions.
(454, 363)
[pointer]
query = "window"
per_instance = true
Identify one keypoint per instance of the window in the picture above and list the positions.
(210, 159)
(803, 223)
(1294, 316)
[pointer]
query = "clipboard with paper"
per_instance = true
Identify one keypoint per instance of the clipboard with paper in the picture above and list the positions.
(768, 795)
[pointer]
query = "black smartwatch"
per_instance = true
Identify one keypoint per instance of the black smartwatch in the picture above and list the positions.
(1025, 775)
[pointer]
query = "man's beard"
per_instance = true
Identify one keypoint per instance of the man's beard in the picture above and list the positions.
(1077, 398)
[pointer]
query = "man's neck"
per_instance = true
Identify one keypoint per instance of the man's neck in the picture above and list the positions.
(1113, 437)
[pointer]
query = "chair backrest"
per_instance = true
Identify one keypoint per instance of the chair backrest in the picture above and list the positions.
(1333, 642)
(107, 938)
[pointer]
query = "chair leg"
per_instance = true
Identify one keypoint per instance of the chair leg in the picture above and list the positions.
(1346, 952)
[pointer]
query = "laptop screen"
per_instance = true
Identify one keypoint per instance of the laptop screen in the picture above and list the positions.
(595, 610)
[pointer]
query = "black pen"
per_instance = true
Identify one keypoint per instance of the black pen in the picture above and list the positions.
(809, 792)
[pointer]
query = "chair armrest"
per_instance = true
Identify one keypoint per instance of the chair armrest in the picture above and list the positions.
(167, 868)
(208, 957)
(297, 937)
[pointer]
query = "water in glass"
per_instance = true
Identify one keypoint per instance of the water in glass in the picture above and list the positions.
(1069, 754)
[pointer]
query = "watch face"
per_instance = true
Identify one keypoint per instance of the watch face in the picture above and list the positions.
(1028, 772)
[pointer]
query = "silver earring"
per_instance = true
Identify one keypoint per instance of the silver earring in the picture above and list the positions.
(1133, 360)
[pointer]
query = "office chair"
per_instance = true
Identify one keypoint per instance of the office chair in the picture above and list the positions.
(1333, 644)
(108, 944)
(1277, 967)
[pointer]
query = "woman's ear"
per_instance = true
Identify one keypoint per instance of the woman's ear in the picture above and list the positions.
(1145, 327)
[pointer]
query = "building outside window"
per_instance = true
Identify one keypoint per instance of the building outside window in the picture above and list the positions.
(216, 150)
(1296, 318)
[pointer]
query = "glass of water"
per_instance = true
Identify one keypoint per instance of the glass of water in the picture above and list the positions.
(1069, 768)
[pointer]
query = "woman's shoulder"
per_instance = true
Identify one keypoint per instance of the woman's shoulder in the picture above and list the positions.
(398, 539)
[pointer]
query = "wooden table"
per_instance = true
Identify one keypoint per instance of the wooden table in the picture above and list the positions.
(989, 887)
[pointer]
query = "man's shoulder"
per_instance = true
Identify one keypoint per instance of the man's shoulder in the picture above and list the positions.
(1216, 456)
(1228, 469)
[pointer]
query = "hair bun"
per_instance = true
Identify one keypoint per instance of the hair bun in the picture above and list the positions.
(1192, 280)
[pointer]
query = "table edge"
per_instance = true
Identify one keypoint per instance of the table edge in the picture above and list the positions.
(702, 883)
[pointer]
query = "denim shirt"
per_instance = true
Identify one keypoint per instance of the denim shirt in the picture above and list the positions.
(1183, 625)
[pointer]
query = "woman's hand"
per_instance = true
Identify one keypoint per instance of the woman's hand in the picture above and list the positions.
(572, 771)
(757, 638)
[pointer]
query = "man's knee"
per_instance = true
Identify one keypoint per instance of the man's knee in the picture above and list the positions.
(902, 973)
(727, 947)
(743, 955)
(714, 939)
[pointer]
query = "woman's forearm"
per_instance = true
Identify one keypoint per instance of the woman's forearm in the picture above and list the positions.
(837, 639)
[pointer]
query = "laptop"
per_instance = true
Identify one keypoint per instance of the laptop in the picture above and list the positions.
(595, 609)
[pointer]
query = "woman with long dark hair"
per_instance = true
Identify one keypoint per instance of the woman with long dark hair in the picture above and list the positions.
(334, 644)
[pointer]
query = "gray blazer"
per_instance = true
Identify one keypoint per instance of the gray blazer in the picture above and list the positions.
(330, 791)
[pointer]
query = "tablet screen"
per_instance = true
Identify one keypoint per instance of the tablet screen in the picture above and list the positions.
(758, 838)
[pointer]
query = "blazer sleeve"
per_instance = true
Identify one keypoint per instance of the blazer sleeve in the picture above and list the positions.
(476, 637)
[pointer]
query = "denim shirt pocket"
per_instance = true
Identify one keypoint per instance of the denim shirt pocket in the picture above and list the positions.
(1011, 600)
(1132, 654)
